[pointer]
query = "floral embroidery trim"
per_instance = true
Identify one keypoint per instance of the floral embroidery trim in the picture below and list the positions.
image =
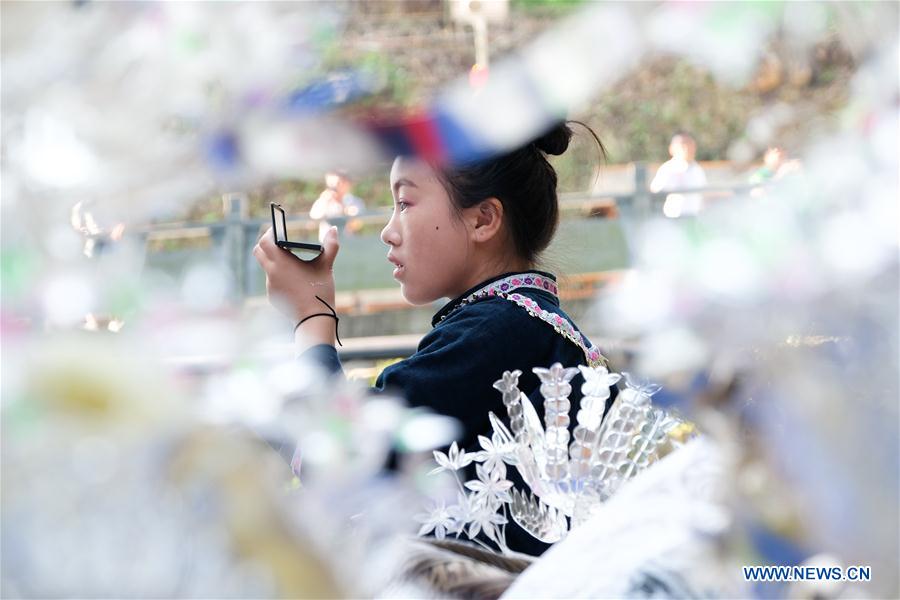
(562, 326)
(502, 287)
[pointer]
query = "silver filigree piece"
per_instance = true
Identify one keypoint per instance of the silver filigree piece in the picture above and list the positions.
(504, 434)
(508, 385)
(645, 443)
(537, 439)
(568, 483)
(555, 388)
(543, 522)
(625, 419)
(595, 392)
(526, 428)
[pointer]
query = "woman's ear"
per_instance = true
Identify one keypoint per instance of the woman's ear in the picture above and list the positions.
(486, 219)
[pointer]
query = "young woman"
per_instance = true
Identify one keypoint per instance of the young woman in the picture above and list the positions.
(474, 234)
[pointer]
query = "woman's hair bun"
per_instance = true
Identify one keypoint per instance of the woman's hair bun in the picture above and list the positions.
(556, 140)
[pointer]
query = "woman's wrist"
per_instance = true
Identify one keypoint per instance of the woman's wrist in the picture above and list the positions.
(315, 331)
(317, 327)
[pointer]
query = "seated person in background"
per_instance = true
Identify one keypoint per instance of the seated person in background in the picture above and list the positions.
(772, 161)
(681, 172)
(335, 203)
(777, 165)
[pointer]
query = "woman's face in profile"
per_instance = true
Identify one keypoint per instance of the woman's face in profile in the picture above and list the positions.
(428, 244)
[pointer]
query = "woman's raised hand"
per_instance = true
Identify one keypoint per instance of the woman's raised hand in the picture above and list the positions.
(293, 284)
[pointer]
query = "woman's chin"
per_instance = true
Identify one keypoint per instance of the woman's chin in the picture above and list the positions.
(415, 297)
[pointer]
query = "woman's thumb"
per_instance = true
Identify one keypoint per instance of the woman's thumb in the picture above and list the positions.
(330, 245)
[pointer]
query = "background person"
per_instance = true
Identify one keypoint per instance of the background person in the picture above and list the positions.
(681, 172)
(774, 157)
(777, 166)
(336, 203)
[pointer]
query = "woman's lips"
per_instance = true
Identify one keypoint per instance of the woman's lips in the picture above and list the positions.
(398, 266)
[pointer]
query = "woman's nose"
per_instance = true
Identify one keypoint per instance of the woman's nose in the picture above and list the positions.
(390, 235)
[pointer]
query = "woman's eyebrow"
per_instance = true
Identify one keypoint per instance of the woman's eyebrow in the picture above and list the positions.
(401, 182)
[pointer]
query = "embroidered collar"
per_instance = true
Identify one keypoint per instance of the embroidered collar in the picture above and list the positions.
(501, 286)
(505, 286)
(563, 327)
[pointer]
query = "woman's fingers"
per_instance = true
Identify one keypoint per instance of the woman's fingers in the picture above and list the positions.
(330, 247)
(267, 250)
(263, 250)
(260, 255)
(267, 240)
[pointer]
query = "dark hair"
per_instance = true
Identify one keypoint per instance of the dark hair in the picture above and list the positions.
(525, 183)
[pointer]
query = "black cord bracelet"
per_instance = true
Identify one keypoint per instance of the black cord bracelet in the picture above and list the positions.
(332, 315)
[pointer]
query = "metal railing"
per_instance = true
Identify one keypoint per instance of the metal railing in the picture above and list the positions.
(236, 233)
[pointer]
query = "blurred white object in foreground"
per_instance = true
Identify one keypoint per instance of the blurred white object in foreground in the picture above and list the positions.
(656, 536)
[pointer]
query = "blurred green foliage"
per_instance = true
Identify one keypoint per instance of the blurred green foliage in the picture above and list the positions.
(546, 6)
(635, 118)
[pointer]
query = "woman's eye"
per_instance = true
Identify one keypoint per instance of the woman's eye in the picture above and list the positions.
(402, 205)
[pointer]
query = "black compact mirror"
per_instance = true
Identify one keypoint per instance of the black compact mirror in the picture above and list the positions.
(279, 227)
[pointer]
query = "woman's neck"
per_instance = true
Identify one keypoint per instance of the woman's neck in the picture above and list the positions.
(487, 271)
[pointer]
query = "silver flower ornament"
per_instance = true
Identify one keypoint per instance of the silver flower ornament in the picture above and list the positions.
(509, 382)
(494, 453)
(454, 460)
(487, 520)
(597, 381)
(490, 488)
(640, 385)
(438, 520)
